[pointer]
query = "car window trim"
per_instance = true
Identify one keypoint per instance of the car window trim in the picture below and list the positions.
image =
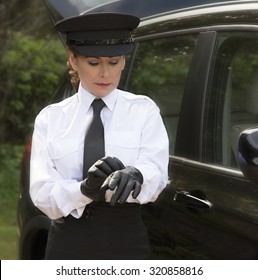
(222, 170)
(190, 125)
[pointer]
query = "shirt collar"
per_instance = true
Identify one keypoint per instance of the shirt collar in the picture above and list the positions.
(86, 98)
(110, 99)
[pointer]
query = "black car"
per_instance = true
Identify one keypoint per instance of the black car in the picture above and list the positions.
(200, 65)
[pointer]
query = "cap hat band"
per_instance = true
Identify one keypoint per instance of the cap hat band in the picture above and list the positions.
(103, 42)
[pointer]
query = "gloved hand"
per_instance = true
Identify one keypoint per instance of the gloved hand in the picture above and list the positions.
(124, 181)
(97, 174)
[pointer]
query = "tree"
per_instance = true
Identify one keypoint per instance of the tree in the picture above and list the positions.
(27, 16)
(31, 62)
(32, 69)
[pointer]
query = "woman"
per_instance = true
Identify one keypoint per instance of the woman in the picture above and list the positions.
(100, 154)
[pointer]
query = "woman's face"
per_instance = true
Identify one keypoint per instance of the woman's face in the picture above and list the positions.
(98, 75)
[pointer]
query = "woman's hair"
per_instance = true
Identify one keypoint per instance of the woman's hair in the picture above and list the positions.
(74, 77)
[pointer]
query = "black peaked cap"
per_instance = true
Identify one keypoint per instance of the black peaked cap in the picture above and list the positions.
(102, 34)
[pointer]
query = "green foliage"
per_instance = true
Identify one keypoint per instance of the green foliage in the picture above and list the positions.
(8, 246)
(10, 159)
(30, 70)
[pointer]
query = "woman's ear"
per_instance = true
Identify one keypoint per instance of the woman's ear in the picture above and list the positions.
(123, 67)
(72, 60)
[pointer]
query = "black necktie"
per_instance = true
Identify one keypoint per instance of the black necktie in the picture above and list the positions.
(94, 146)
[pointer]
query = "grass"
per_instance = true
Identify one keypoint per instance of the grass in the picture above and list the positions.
(8, 242)
(10, 157)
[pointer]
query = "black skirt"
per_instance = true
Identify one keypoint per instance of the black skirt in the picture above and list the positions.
(103, 232)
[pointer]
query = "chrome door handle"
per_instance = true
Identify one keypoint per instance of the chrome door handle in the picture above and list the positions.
(191, 201)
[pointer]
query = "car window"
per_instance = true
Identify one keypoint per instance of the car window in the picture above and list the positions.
(160, 71)
(232, 103)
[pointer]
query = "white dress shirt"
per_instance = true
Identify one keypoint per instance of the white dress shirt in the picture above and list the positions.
(134, 133)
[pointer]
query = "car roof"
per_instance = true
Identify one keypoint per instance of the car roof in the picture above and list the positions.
(142, 8)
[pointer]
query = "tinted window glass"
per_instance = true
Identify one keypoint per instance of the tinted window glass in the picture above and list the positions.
(160, 71)
(233, 97)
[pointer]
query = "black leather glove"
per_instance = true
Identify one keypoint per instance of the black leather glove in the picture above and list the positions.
(97, 174)
(124, 181)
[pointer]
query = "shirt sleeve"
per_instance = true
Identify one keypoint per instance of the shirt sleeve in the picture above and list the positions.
(153, 157)
(49, 191)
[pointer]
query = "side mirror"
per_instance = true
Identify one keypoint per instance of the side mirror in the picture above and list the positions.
(248, 153)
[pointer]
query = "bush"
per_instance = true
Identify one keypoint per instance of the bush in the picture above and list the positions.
(10, 160)
(30, 71)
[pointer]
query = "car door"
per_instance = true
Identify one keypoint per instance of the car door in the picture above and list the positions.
(205, 83)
